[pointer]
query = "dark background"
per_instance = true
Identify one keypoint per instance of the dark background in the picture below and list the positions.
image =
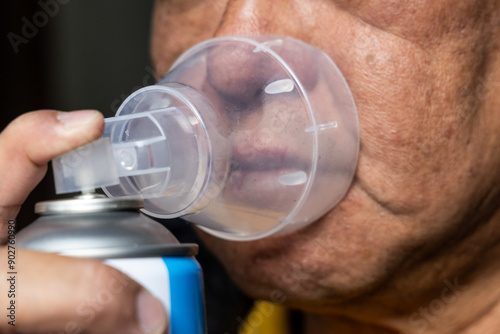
(78, 54)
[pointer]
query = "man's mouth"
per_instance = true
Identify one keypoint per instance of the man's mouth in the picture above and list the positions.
(266, 174)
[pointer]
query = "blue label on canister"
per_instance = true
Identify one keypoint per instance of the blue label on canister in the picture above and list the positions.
(186, 295)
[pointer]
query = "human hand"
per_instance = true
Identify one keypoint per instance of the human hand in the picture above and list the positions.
(57, 293)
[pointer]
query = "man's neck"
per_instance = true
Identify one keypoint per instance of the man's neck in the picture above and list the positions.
(459, 308)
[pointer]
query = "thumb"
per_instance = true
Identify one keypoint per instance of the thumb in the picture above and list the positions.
(56, 293)
(30, 141)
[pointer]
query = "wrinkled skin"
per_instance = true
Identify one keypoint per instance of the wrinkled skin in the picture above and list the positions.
(424, 205)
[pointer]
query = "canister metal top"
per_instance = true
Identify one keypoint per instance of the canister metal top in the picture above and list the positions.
(95, 226)
(87, 203)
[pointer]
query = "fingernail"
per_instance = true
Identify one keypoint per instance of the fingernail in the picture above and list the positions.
(78, 117)
(151, 313)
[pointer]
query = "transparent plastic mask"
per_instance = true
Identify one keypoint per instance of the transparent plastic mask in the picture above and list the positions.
(245, 137)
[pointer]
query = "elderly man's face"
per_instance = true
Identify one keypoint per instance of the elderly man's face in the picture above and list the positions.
(425, 76)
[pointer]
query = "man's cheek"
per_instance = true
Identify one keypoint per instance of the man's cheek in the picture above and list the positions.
(178, 26)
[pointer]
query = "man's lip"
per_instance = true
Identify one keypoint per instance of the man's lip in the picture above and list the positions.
(266, 159)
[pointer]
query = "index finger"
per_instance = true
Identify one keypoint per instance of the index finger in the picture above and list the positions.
(29, 142)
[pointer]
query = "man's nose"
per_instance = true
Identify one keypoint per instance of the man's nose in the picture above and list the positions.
(239, 74)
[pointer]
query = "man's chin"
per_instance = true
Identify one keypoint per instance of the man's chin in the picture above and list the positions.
(284, 270)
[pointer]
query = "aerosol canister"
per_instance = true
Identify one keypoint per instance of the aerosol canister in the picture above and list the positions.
(113, 230)
(245, 137)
